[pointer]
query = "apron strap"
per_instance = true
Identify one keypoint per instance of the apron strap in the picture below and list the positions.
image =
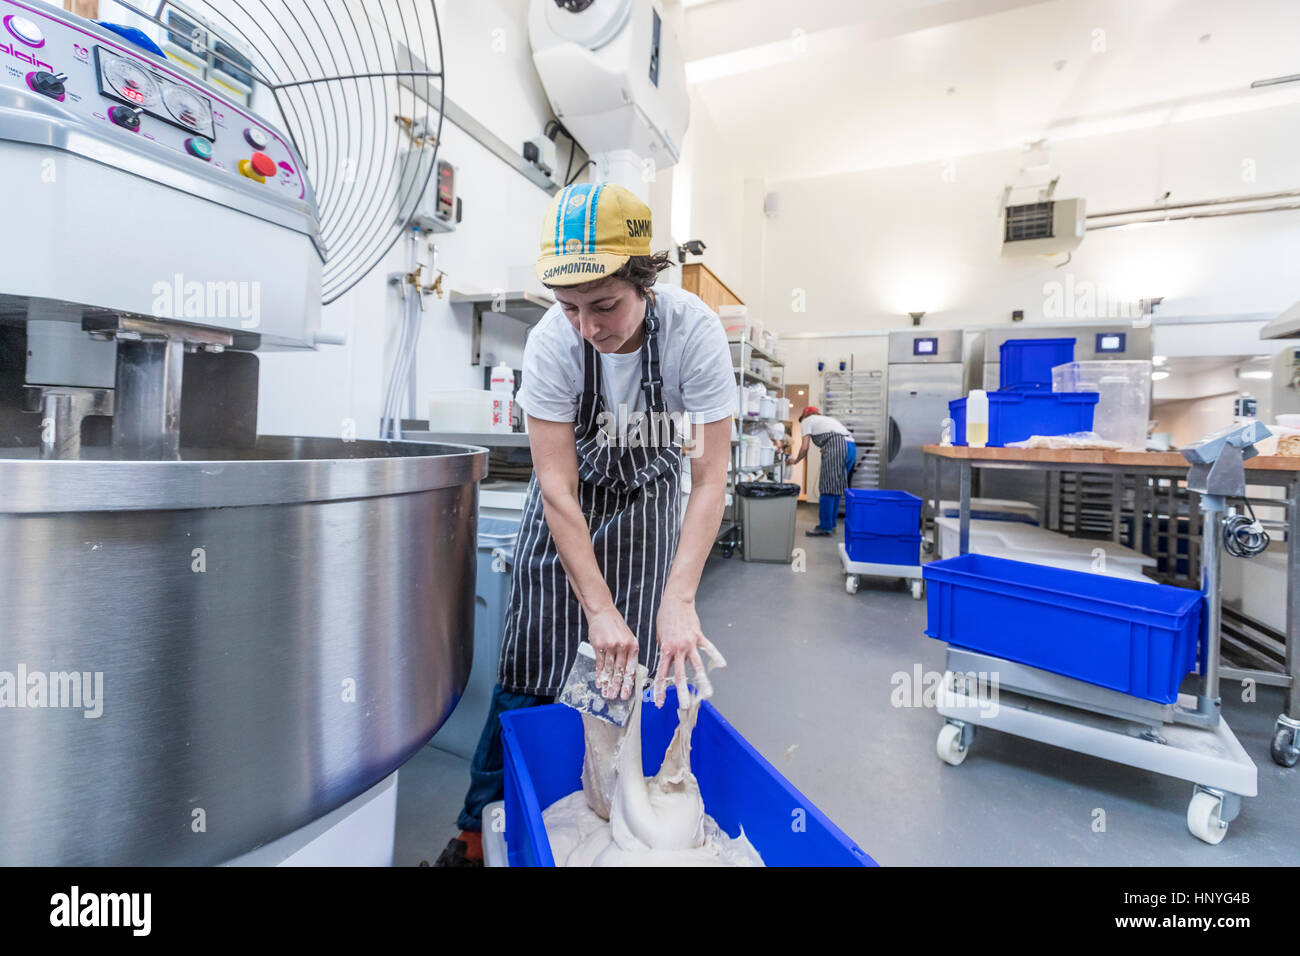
(651, 379)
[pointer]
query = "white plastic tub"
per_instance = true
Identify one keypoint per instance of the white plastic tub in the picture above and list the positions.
(1023, 542)
(460, 410)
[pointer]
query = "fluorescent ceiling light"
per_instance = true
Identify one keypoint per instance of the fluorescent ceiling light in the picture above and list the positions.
(1255, 373)
(1159, 376)
(1158, 360)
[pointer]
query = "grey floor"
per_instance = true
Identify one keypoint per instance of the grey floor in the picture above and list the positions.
(809, 684)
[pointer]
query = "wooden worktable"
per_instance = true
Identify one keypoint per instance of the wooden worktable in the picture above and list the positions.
(1109, 459)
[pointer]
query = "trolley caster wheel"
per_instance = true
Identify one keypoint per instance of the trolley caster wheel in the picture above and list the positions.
(1205, 818)
(1285, 748)
(728, 551)
(851, 583)
(950, 746)
(918, 588)
(927, 546)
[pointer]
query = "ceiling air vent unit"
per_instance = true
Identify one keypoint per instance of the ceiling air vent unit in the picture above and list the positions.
(1043, 228)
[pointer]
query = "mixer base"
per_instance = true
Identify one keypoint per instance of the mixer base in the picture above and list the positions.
(359, 833)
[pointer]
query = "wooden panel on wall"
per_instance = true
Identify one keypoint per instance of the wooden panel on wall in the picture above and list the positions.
(697, 278)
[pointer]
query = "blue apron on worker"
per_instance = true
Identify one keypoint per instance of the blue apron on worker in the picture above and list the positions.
(630, 494)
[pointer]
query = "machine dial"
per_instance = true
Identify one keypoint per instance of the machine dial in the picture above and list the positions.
(189, 109)
(131, 82)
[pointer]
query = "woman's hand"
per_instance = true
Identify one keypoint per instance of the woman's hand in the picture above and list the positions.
(681, 640)
(616, 653)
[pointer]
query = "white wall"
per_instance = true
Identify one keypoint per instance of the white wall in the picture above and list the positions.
(866, 248)
(489, 72)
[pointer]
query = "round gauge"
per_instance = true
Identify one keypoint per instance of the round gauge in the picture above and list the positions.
(190, 109)
(131, 82)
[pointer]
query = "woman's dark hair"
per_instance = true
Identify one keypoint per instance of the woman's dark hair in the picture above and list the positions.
(641, 271)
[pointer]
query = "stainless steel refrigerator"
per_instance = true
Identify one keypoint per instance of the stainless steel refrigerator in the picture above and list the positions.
(927, 369)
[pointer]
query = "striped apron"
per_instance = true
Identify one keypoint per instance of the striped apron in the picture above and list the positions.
(834, 477)
(631, 498)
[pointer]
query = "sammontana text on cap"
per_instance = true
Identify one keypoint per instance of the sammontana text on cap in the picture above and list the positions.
(590, 230)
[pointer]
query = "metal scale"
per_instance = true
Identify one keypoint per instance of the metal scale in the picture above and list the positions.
(1187, 739)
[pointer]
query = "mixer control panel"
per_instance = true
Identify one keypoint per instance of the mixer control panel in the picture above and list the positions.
(103, 81)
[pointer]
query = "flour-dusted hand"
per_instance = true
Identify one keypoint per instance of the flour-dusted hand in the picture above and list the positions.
(616, 653)
(680, 641)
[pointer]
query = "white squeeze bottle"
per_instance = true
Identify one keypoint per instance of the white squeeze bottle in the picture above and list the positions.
(503, 393)
(977, 418)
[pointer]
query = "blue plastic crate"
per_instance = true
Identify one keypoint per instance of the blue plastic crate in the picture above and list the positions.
(1131, 636)
(543, 761)
(1028, 363)
(1015, 416)
(900, 549)
(880, 511)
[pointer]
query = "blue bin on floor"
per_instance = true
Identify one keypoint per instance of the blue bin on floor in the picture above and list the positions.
(899, 549)
(881, 511)
(1027, 364)
(1131, 636)
(543, 761)
(1015, 416)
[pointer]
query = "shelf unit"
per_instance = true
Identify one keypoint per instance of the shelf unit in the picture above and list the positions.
(525, 307)
(730, 532)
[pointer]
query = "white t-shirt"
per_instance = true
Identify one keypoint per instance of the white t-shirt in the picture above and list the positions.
(821, 424)
(694, 362)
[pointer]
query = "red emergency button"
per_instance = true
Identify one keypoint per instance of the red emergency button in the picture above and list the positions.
(262, 164)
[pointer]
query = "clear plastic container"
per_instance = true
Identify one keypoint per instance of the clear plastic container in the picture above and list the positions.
(461, 409)
(1125, 403)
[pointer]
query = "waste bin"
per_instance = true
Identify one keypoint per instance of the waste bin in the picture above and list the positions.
(767, 519)
(497, 531)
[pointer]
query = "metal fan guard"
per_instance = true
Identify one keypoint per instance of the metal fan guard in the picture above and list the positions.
(342, 73)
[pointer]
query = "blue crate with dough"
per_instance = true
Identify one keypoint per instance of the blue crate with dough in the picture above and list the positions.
(544, 749)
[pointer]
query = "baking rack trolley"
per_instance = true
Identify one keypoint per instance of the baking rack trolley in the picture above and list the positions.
(1187, 739)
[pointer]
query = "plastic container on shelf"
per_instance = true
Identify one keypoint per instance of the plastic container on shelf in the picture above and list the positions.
(461, 409)
(880, 511)
(734, 320)
(1124, 406)
(767, 407)
(766, 455)
(543, 750)
(1015, 416)
(977, 418)
(756, 332)
(1028, 363)
(782, 409)
(1134, 637)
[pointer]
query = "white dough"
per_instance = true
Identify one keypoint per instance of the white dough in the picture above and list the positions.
(652, 821)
